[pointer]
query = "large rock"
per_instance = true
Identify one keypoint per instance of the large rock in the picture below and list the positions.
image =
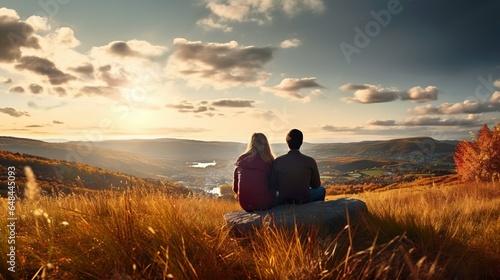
(331, 215)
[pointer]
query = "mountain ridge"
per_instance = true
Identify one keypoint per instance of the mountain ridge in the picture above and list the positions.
(61, 176)
(174, 158)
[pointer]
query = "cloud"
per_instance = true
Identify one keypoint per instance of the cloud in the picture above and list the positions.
(419, 95)
(47, 58)
(465, 107)
(382, 122)
(209, 107)
(35, 88)
(187, 107)
(16, 89)
(13, 112)
(38, 23)
(290, 43)
(234, 103)
(223, 12)
(294, 7)
(44, 67)
(234, 10)
(466, 121)
(60, 91)
(104, 91)
(470, 120)
(332, 128)
(5, 80)
(368, 93)
(209, 24)
(290, 88)
(220, 65)
(86, 69)
(34, 105)
(115, 76)
(35, 125)
(57, 122)
(14, 35)
(65, 37)
(132, 49)
(496, 84)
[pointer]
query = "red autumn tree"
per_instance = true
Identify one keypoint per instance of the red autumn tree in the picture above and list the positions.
(479, 160)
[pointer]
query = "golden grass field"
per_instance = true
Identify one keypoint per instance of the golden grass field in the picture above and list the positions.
(420, 232)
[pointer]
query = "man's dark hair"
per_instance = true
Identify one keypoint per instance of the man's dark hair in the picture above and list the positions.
(294, 139)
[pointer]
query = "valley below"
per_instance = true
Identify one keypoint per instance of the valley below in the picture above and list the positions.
(205, 166)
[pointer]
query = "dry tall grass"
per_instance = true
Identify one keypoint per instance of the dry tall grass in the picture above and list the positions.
(459, 226)
(420, 233)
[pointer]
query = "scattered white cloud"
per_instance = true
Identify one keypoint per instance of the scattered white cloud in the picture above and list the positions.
(209, 107)
(224, 12)
(132, 49)
(465, 121)
(419, 95)
(381, 122)
(36, 106)
(291, 43)
(233, 103)
(333, 128)
(65, 37)
(496, 84)
(218, 65)
(38, 23)
(104, 91)
(44, 67)
(16, 35)
(294, 7)
(233, 10)
(469, 120)
(35, 88)
(5, 80)
(210, 24)
(60, 91)
(290, 88)
(465, 107)
(13, 112)
(368, 93)
(16, 89)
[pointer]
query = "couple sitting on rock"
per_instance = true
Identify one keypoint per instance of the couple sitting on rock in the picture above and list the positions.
(262, 182)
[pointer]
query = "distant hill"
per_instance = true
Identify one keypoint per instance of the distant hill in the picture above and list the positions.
(68, 177)
(180, 149)
(173, 158)
(387, 149)
(91, 153)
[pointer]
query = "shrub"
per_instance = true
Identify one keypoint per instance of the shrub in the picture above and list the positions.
(479, 160)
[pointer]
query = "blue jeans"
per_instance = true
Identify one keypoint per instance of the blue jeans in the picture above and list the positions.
(317, 194)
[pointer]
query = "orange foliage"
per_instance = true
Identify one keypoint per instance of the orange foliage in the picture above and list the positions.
(479, 160)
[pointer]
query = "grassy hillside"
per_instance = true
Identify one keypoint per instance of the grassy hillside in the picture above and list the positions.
(425, 232)
(68, 177)
(347, 164)
(91, 153)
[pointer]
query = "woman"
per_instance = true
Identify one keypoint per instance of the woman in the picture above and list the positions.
(251, 175)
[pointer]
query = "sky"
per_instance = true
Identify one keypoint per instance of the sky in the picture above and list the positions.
(220, 70)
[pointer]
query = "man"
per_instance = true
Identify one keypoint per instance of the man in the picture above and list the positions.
(294, 175)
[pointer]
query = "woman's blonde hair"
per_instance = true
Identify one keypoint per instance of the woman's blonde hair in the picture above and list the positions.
(259, 145)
